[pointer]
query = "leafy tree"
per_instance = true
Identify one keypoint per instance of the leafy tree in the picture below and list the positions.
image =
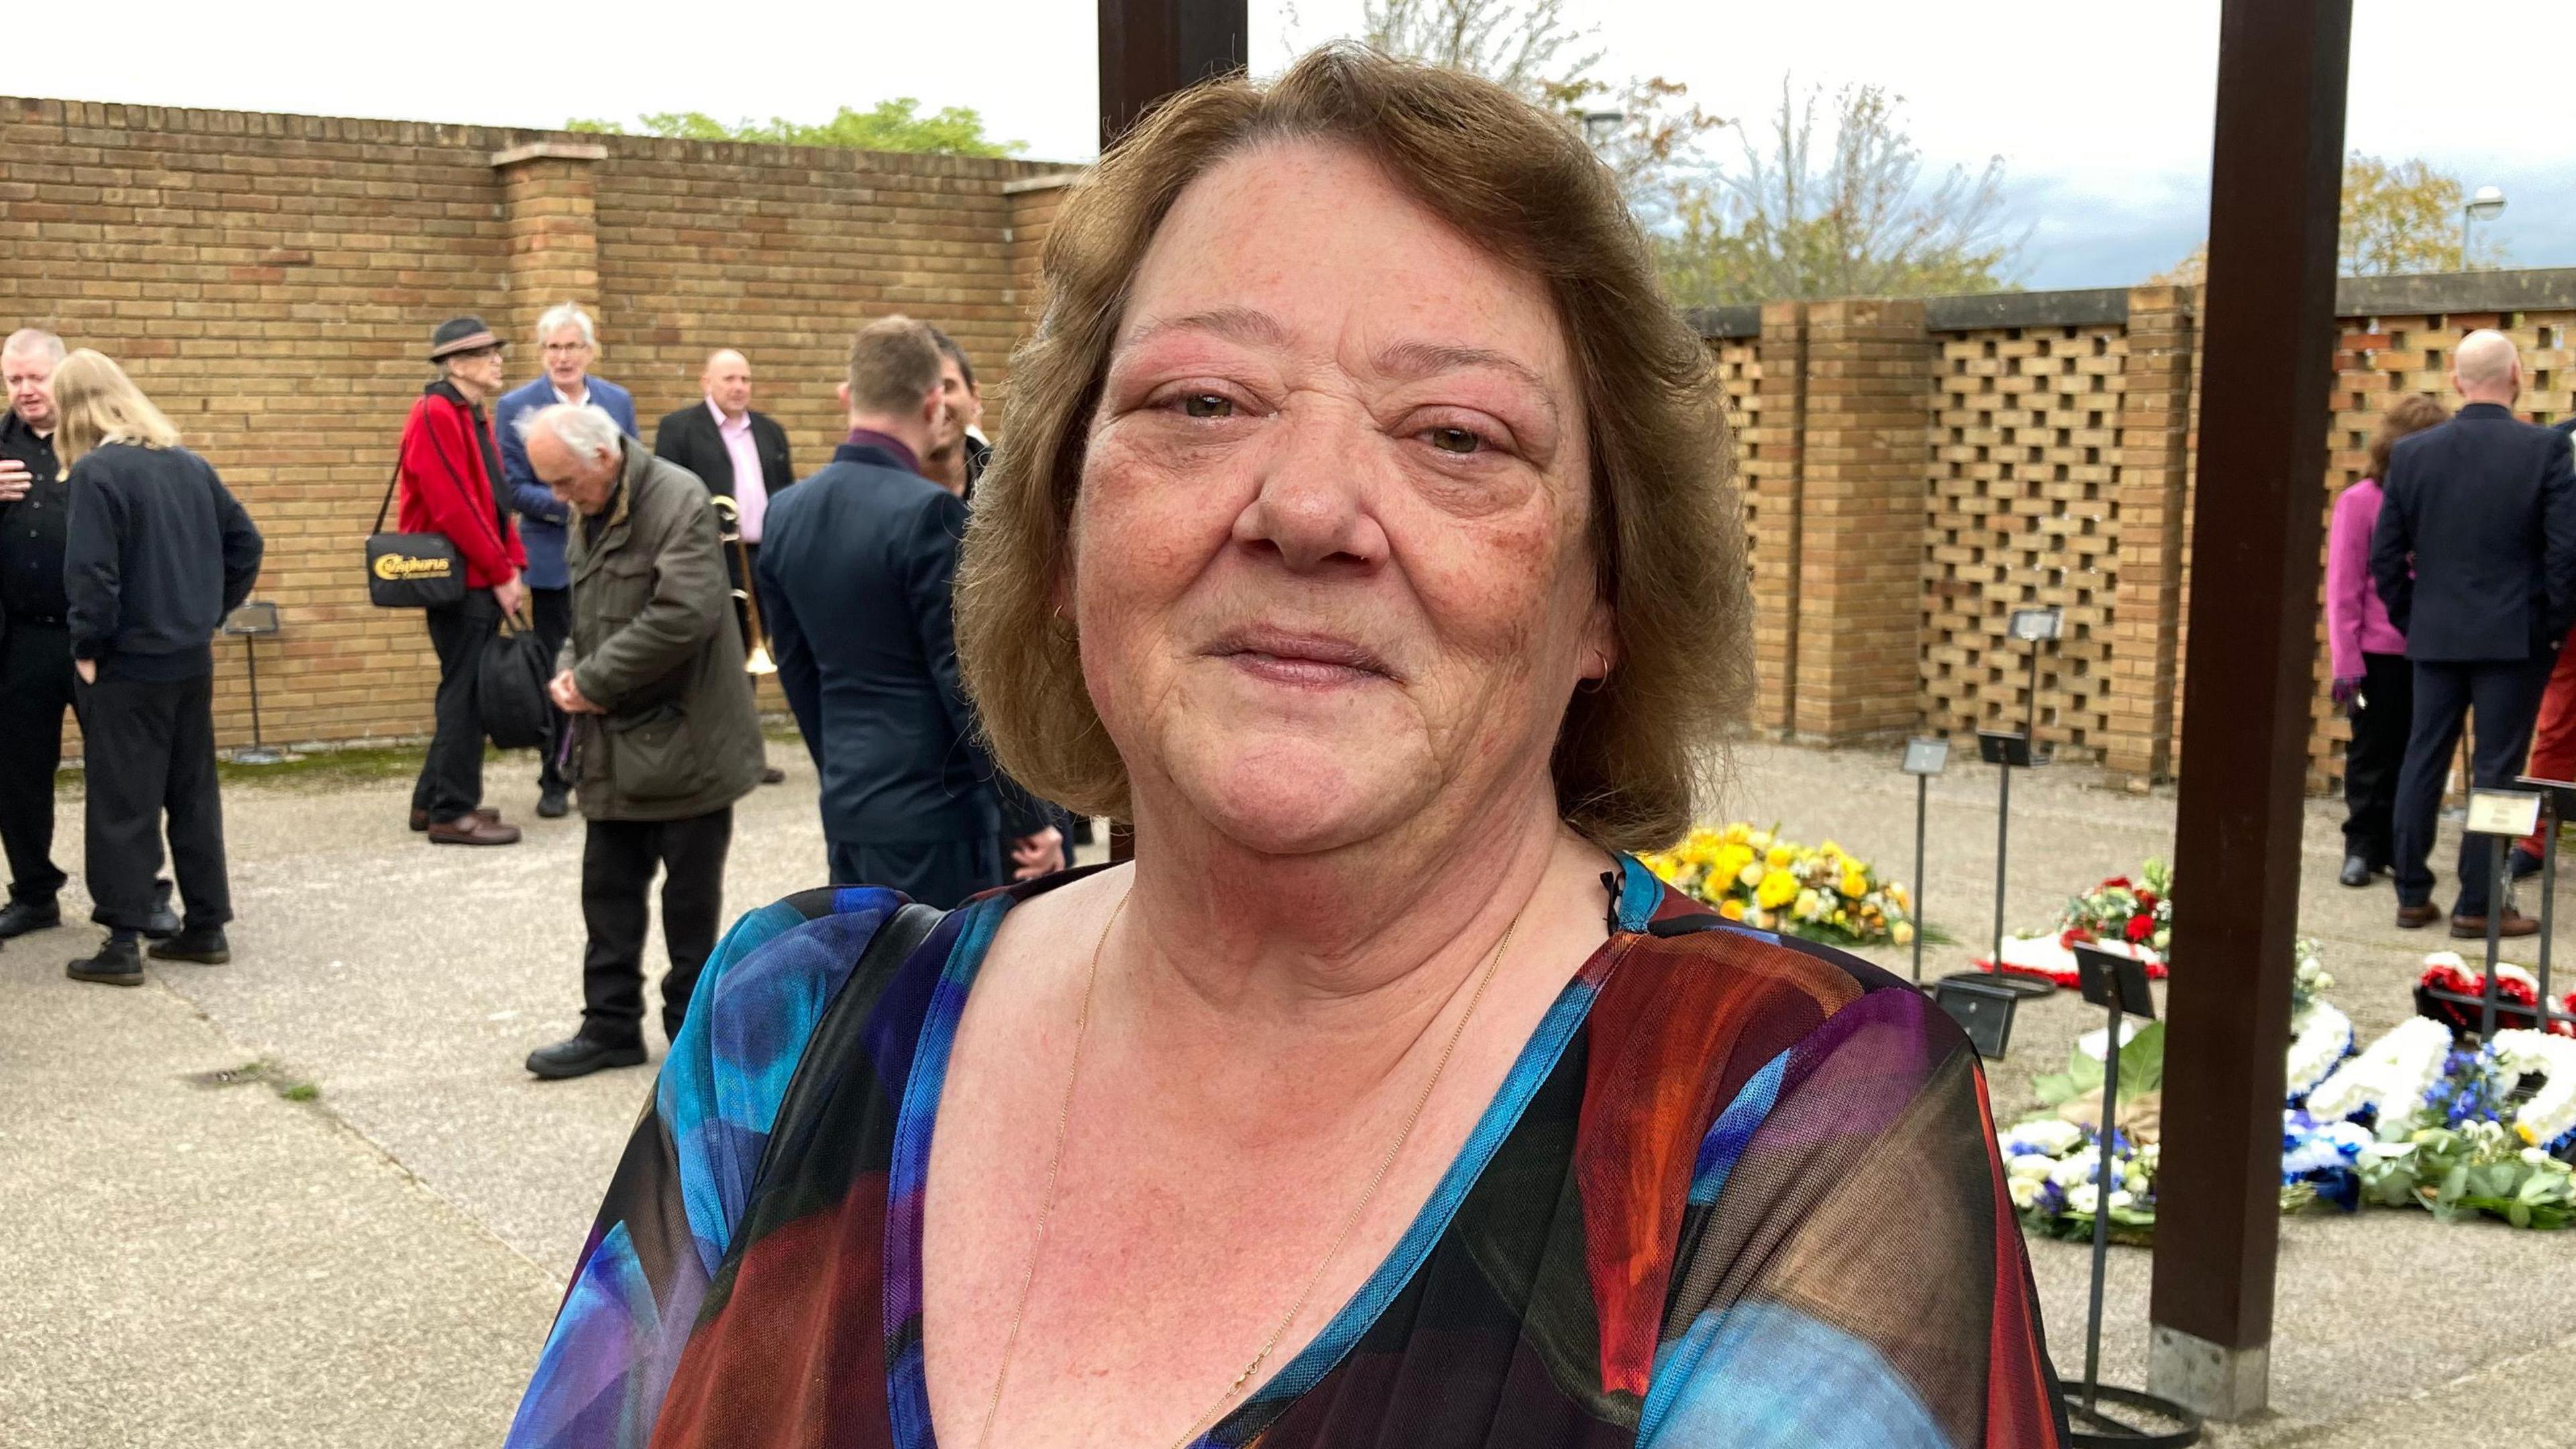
(2402, 217)
(2398, 217)
(894, 125)
(1858, 219)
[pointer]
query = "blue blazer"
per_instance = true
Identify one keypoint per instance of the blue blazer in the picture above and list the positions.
(541, 518)
(855, 568)
(2475, 552)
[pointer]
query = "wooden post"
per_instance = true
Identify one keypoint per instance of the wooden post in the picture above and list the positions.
(1151, 48)
(2268, 317)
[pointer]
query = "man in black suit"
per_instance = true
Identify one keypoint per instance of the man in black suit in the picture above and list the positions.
(739, 454)
(2475, 557)
(854, 585)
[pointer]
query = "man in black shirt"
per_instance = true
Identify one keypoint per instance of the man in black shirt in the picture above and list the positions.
(35, 648)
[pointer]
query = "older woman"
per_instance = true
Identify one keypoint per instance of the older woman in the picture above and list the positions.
(1362, 488)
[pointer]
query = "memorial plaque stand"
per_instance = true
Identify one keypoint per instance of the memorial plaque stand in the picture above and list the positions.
(1924, 758)
(2554, 798)
(2118, 984)
(2007, 749)
(251, 621)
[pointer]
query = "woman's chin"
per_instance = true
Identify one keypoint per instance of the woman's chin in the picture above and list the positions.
(1275, 803)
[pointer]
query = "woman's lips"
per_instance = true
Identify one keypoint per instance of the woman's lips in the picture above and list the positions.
(1310, 660)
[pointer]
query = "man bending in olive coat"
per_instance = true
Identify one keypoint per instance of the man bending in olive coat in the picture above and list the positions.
(665, 735)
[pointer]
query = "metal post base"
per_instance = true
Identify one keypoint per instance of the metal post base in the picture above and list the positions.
(2220, 1383)
(2167, 1425)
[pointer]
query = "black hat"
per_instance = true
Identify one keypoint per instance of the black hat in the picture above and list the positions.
(460, 334)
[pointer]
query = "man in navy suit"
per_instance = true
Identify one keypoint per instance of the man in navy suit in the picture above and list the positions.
(2475, 557)
(567, 341)
(855, 571)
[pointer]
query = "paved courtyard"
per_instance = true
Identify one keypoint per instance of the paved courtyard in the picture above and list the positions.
(311, 1198)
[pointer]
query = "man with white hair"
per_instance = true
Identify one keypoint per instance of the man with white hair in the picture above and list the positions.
(567, 341)
(35, 644)
(2475, 557)
(665, 737)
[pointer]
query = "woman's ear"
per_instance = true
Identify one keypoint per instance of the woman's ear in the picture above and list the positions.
(1600, 642)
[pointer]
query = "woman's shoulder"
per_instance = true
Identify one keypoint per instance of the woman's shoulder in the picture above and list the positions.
(1697, 1001)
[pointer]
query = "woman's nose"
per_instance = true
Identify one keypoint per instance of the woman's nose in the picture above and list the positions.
(1314, 503)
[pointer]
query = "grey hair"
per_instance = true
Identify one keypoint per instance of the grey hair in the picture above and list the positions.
(33, 339)
(584, 429)
(563, 315)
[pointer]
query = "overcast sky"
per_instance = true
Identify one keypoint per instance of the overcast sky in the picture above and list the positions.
(2101, 111)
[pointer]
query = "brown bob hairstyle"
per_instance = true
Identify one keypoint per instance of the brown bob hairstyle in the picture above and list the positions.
(2412, 413)
(1668, 535)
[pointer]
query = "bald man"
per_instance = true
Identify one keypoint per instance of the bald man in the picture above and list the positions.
(2475, 557)
(739, 454)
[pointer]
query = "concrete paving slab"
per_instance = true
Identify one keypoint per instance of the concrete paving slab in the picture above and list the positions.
(219, 1266)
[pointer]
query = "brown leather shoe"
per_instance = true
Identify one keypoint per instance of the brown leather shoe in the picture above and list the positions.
(475, 829)
(2474, 928)
(2415, 918)
(420, 818)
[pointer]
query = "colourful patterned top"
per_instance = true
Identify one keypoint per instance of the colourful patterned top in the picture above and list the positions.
(1737, 1191)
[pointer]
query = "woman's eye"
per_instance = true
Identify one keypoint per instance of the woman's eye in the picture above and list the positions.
(1207, 405)
(1454, 440)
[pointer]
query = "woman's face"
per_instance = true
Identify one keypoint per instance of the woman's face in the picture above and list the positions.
(1331, 565)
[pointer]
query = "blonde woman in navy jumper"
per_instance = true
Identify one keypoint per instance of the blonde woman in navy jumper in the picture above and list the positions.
(158, 553)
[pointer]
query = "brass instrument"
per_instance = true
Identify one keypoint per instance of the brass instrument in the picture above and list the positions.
(729, 530)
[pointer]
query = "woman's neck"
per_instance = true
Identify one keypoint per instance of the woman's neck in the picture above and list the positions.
(1339, 961)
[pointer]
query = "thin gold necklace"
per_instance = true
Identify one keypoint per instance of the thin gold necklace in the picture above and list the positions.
(1350, 1220)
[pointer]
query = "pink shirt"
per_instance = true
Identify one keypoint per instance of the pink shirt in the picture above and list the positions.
(750, 493)
(2356, 622)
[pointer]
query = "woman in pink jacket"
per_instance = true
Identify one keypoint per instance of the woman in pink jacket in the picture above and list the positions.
(2372, 680)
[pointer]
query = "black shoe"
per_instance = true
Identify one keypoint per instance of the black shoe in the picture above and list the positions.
(118, 963)
(2523, 863)
(2357, 871)
(163, 923)
(772, 775)
(19, 917)
(206, 948)
(551, 805)
(579, 1056)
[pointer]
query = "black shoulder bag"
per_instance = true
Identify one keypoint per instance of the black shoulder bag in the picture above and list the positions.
(411, 570)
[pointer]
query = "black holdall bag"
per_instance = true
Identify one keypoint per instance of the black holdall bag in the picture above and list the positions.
(510, 688)
(411, 570)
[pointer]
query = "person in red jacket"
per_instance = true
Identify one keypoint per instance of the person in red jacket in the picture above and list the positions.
(450, 460)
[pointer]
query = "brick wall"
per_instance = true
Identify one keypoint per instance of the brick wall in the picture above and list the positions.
(1916, 471)
(272, 281)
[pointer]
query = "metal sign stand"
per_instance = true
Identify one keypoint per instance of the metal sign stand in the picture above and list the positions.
(2011, 749)
(1925, 757)
(251, 621)
(2118, 984)
(2504, 816)
(2554, 798)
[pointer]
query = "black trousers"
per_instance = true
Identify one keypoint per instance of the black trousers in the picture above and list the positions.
(36, 686)
(149, 750)
(618, 858)
(2381, 721)
(939, 873)
(2506, 700)
(451, 775)
(551, 611)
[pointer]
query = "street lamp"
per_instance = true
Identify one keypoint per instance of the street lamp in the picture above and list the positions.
(2486, 205)
(1600, 126)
